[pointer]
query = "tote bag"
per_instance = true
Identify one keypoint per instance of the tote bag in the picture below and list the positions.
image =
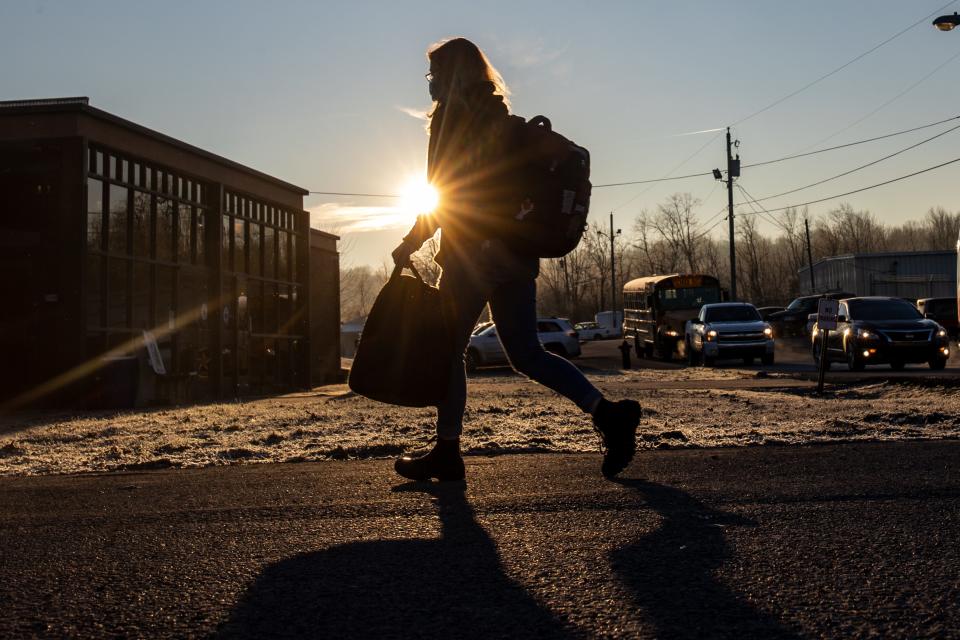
(404, 355)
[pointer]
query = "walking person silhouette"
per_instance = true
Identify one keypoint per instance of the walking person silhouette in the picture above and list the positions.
(468, 128)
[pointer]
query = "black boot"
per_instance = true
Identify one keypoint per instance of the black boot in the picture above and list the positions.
(617, 422)
(443, 463)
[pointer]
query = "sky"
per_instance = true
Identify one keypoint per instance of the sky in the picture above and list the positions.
(324, 94)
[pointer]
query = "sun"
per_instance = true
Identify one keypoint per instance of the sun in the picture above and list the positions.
(418, 196)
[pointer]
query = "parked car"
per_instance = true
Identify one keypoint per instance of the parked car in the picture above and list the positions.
(556, 335)
(728, 330)
(943, 311)
(792, 321)
(875, 330)
(593, 331)
(765, 312)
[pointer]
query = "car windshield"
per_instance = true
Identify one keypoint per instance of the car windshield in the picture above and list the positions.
(802, 303)
(739, 313)
(688, 298)
(882, 310)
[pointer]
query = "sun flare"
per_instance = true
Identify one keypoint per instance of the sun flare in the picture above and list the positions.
(418, 196)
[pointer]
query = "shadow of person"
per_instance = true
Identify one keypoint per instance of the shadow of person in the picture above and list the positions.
(671, 571)
(452, 586)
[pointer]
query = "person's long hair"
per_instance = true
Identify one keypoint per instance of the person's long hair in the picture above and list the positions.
(465, 68)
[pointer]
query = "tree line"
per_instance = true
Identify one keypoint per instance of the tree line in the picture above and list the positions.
(671, 238)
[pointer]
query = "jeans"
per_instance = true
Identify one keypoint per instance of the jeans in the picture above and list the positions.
(464, 292)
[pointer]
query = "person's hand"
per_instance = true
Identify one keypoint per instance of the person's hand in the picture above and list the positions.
(401, 255)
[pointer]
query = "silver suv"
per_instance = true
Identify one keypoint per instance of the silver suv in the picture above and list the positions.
(556, 335)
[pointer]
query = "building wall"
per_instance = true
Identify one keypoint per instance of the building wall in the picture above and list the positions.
(324, 307)
(907, 275)
(189, 273)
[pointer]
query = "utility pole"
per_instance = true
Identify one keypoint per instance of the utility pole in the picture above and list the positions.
(613, 274)
(813, 282)
(733, 170)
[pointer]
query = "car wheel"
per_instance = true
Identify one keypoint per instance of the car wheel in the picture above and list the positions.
(897, 365)
(709, 361)
(648, 351)
(938, 363)
(748, 360)
(693, 358)
(767, 359)
(854, 361)
(472, 360)
(596, 336)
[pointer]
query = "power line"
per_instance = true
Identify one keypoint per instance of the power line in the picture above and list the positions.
(683, 162)
(843, 66)
(890, 101)
(873, 186)
(863, 166)
(791, 157)
(705, 173)
(755, 206)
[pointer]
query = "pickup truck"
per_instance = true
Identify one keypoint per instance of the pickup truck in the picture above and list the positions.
(728, 330)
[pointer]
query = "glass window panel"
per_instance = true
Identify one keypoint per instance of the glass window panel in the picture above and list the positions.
(294, 267)
(93, 291)
(201, 237)
(255, 250)
(95, 344)
(240, 243)
(283, 309)
(113, 167)
(141, 224)
(269, 252)
(180, 193)
(226, 241)
(270, 308)
(270, 362)
(165, 212)
(283, 255)
(165, 300)
(183, 233)
(94, 215)
(142, 295)
(117, 226)
(125, 171)
(255, 303)
(148, 177)
(137, 177)
(117, 292)
(98, 163)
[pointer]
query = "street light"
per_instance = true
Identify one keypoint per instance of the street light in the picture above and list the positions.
(947, 23)
(613, 276)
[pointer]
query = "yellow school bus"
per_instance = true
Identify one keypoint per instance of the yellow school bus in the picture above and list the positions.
(656, 308)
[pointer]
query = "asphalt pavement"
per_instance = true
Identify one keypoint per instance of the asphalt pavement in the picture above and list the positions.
(792, 357)
(855, 540)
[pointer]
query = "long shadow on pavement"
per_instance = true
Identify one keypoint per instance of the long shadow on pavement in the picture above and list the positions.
(453, 586)
(671, 571)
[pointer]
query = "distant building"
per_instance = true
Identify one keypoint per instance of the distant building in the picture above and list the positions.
(914, 274)
(137, 268)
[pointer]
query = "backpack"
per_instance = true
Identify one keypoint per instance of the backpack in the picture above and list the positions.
(550, 193)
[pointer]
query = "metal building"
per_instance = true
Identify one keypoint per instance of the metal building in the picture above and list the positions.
(140, 267)
(914, 274)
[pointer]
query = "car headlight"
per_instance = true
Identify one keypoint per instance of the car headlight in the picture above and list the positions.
(767, 331)
(942, 333)
(673, 333)
(865, 333)
(711, 335)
